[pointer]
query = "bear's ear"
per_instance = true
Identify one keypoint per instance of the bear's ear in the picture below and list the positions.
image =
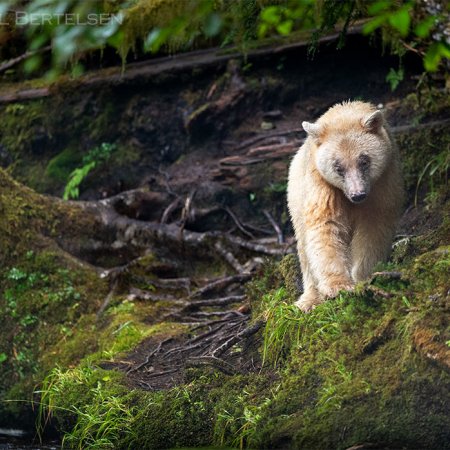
(373, 121)
(313, 129)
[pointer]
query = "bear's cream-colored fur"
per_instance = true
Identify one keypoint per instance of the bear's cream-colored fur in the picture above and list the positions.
(345, 193)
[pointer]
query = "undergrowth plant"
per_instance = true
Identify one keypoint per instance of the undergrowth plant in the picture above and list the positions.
(288, 330)
(244, 425)
(436, 170)
(94, 158)
(103, 418)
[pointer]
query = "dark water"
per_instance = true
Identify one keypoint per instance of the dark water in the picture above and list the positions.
(16, 440)
(11, 439)
(19, 444)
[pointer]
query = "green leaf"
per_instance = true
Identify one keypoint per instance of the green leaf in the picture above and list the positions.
(3, 357)
(271, 15)
(76, 177)
(157, 37)
(423, 28)
(32, 64)
(378, 7)
(375, 23)
(394, 77)
(284, 28)
(77, 70)
(116, 40)
(16, 274)
(434, 54)
(400, 20)
(152, 38)
(39, 41)
(262, 29)
(213, 24)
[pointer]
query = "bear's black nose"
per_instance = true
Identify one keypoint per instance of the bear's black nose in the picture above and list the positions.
(358, 198)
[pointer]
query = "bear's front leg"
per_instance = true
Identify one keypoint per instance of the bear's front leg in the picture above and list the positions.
(371, 244)
(310, 297)
(328, 253)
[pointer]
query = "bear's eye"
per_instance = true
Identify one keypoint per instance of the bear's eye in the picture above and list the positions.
(364, 161)
(339, 169)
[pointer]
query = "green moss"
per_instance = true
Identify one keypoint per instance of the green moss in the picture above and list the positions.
(334, 379)
(60, 167)
(289, 269)
(421, 147)
(207, 409)
(23, 124)
(43, 305)
(45, 293)
(350, 365)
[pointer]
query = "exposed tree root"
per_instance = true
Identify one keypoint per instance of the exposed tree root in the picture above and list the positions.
(220, 284)
(164, 365)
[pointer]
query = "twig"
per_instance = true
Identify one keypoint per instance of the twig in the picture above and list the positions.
(139, 294)
(171, 283)
(261, 137)
(217, 313)
(165, 372)
(379, 292)
(268, 150)
(150, 355)
(229, 257)
(13, 62)
(221, 284)
(238, 337)
(415, 128)
(257, 229)
(210, 323)
(412, 49)
(387, 274)
(239, 223)
(217, 363)
(187, 209)
(169, 210)
(108, 298)
(208, 333)
(259, 248)
(275, 226)
(217, 301)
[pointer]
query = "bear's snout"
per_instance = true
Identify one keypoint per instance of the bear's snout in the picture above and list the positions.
(359, 197)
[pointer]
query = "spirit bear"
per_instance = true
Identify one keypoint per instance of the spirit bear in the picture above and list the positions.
(345, 194)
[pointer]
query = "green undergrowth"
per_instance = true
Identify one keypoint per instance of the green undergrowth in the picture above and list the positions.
(49, 301)
(42, 155)
(42, 305)
(50, 318)
(424, 151)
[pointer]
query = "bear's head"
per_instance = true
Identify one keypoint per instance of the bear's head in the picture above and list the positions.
(351, 147)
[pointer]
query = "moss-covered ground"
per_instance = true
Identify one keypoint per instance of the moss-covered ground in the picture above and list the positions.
(366, 367)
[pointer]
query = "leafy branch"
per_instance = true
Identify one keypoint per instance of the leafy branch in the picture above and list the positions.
(94, 158)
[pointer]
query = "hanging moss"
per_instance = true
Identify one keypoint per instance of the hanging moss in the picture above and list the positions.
(24, 127)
